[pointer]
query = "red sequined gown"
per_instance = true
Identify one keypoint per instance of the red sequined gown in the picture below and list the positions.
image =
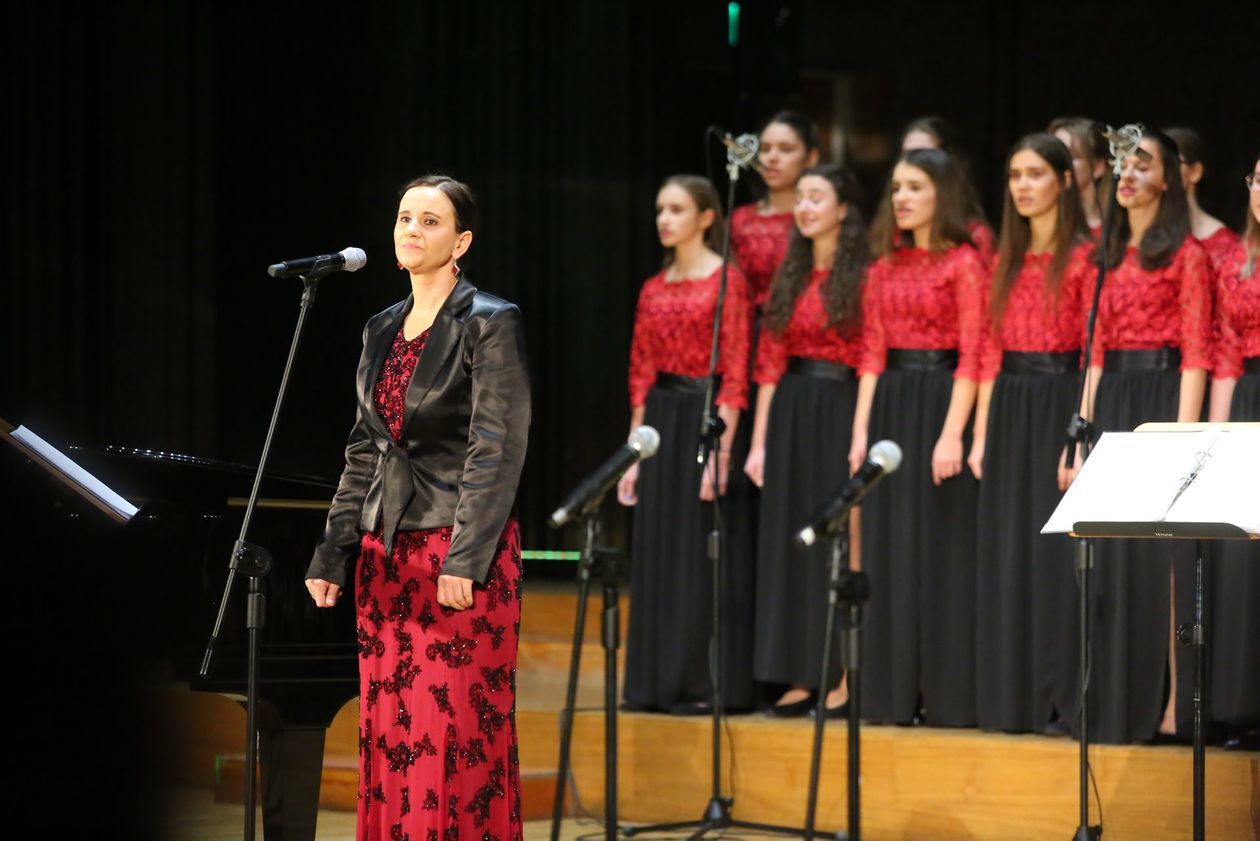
(759, 241)
(437, 732)
(1025, 635)
(1145, 309)
(1220, 246)
(918, 539)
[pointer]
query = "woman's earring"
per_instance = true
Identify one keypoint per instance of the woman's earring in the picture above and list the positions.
(455, 268)
(400, 265)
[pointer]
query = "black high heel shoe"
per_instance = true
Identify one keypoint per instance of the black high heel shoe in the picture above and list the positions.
(795, 709)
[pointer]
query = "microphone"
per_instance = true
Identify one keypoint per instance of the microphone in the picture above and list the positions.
(883, 458)
(641, 445)
(740, 151)
(346, 260)
(1123, 143)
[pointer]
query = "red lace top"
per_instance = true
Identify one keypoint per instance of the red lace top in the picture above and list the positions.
(807, 334)
(1036, 321)
(390, 393)
(1237, 314)
(922, 300)
(673, 333)
(759, 242)
(1220, 246)
(1166, 307)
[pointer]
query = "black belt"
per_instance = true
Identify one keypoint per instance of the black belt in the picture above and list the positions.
(943, 359)
(1251, 365)
(820, 368)
(682, 382)
(1030, 362)
(1158, 359)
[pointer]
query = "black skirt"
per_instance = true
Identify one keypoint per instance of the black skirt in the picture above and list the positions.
(1026, 628)
(918, 547)
(807, 447)
(671, 590)
(1129, 589)
(1234, 697)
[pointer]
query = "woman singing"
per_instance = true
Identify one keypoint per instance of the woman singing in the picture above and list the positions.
(1235, 669)
(1025, 581)
(922, 327)
(806, 363)
(671, 578)
(759, 231)
(425, 501)
(1153, 346)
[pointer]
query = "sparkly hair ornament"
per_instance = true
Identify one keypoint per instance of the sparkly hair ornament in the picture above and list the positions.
(1123, 143)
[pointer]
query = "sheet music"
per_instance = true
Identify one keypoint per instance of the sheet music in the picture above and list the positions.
(1141, 477)
(86, 483)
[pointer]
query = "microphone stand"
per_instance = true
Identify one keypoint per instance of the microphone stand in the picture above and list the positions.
(850, 590)
(254, 562)
(1080, 432)
(717, 813)
(610, 636)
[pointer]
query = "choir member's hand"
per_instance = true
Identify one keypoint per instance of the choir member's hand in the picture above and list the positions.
(324, 593)
(976, 458)
(947, 458)
(456, 592)
(723, 473)
(626, 492)
(1067, 475)
(755, 466)
(857, 453)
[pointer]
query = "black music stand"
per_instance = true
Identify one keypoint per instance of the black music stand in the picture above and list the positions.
(1180, 481)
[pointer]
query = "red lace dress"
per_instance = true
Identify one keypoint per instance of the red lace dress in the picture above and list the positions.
(1220, 246)
(921, 300)
(437, 729)
(759, 241)
(1237, 315)
(673, 334)
(984, 241)
(807, 335)
(1171, 306)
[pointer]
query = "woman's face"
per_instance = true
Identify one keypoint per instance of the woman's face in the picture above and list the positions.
(1142, 178)
(1255, 191)
(919, 139)
(783, 156)
(913, 197)
(678, 218)
(818, 212)
(1034, 184)
(425, 238)
(1080, 163)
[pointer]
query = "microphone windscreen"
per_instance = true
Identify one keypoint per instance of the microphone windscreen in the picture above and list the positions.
(646, 440)
(886, 454)
(355, 259)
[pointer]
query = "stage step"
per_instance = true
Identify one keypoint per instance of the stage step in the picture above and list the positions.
(917, 782)
(339, 785)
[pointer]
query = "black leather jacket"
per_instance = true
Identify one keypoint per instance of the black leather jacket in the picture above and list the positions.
(465, 429)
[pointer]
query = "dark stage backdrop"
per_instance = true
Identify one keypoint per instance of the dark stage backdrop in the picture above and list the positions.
(159, 156)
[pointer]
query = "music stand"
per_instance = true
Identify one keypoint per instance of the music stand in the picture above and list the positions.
(1179, 481)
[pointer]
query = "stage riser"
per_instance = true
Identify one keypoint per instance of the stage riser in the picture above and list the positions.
(917, 783)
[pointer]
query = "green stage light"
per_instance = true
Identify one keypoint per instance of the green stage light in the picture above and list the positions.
(732, 23)
(550, 555)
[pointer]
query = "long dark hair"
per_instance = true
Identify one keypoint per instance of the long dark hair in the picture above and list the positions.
(705, 195)
(1172, 220)
(1016, 234)
(841, 295)
(949, 221)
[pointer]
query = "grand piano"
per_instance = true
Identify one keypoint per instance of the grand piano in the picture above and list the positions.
(190, 515)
